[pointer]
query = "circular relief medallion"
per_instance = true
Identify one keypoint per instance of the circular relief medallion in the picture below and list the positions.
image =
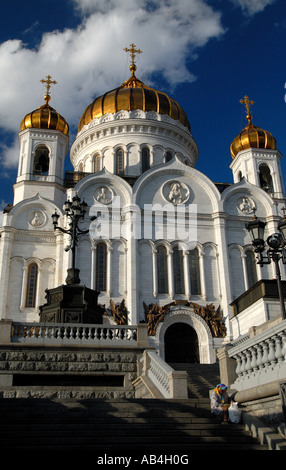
(176, 192)
(245, 204)
(36, 218)
(103, 195)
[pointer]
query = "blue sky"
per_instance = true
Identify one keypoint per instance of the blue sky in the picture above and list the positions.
(206, 54)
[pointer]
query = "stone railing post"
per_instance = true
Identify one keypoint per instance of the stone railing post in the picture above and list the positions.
(142, 336)
(178, 384)
(227, 366)
(5, 331)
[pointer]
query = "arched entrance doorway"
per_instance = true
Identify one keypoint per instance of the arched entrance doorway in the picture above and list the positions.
(181, 344)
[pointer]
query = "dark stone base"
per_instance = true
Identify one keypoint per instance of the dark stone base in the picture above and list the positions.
(71, 304)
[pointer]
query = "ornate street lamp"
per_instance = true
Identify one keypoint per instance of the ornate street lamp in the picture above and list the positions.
(75, 211)
(275, 251)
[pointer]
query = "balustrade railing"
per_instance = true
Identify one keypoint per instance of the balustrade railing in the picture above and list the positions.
(260, 359)
(71, 333)
(158, 372)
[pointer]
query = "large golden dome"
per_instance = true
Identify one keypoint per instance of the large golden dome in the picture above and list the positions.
(252, 137)
(45, 117)
(130, 96)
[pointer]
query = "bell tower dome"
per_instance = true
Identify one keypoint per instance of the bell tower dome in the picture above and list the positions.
(256, 158)
(43, 142)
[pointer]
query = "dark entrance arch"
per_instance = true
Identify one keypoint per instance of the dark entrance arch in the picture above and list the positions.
(181, 344)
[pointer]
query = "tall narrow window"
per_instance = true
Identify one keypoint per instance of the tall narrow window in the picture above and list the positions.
(168, 156)
(96, 163)
(31, 285)
(265, 178)
(251, 268)
(145, 159)
(41, 161)
(119, 162)
(101, 262)
(194, 266)
(162, 272)
(178, 271)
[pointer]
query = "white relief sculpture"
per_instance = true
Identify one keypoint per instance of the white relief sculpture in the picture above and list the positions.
(36, 219)
(245, 204)
(176, 192)
(103, 195)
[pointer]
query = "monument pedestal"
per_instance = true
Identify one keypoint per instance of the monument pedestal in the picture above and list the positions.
(71, 303)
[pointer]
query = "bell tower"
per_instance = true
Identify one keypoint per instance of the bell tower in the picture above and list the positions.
(256, 158)
(43, 143)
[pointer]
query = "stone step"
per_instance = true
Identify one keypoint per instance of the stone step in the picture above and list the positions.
(126, 426)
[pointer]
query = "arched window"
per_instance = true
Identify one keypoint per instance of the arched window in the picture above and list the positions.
(179, 286)
(162, 272)
(168, 156)
(265, 178)
(251, 268)
(145, 159)
(41, 161)
(31, 285)
(96, 163)
(194, 266)
(119, 162)
(101, 263)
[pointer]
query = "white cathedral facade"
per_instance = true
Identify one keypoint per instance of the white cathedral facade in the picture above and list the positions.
(134, 153)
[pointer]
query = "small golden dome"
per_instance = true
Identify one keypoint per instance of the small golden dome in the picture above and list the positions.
(130, 96)
(45, 117)
(252, 136)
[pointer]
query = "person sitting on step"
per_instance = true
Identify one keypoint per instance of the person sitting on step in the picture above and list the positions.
(220, 402)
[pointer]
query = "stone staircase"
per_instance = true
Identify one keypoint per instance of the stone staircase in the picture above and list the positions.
(122, 427)
(117, 427)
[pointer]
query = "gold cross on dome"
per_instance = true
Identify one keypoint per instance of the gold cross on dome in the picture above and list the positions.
(132, 51)
(48, 82)
(247, 102)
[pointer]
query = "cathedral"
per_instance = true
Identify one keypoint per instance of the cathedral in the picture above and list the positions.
(160, 242)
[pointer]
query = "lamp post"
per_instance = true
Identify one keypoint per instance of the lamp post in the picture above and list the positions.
(275, 250)
(75, 211)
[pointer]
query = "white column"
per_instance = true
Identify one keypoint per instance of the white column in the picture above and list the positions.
(187, 275)
(155, 280)
(130, 229)
(93, 266)
(39, 288)
(24, 287)
(108, 274)
(246, 285)
(7, 237)
(58, 278)
(202, 273)
(223, 262)
(170, 273)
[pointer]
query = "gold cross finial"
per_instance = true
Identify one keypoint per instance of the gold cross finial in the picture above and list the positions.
(132, 51)
(48, 82)
(247, 102)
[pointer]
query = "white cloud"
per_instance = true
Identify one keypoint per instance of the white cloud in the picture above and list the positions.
(89, 60)
(252, 7)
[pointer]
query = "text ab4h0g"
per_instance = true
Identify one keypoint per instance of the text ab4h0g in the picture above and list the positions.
(145, 459)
